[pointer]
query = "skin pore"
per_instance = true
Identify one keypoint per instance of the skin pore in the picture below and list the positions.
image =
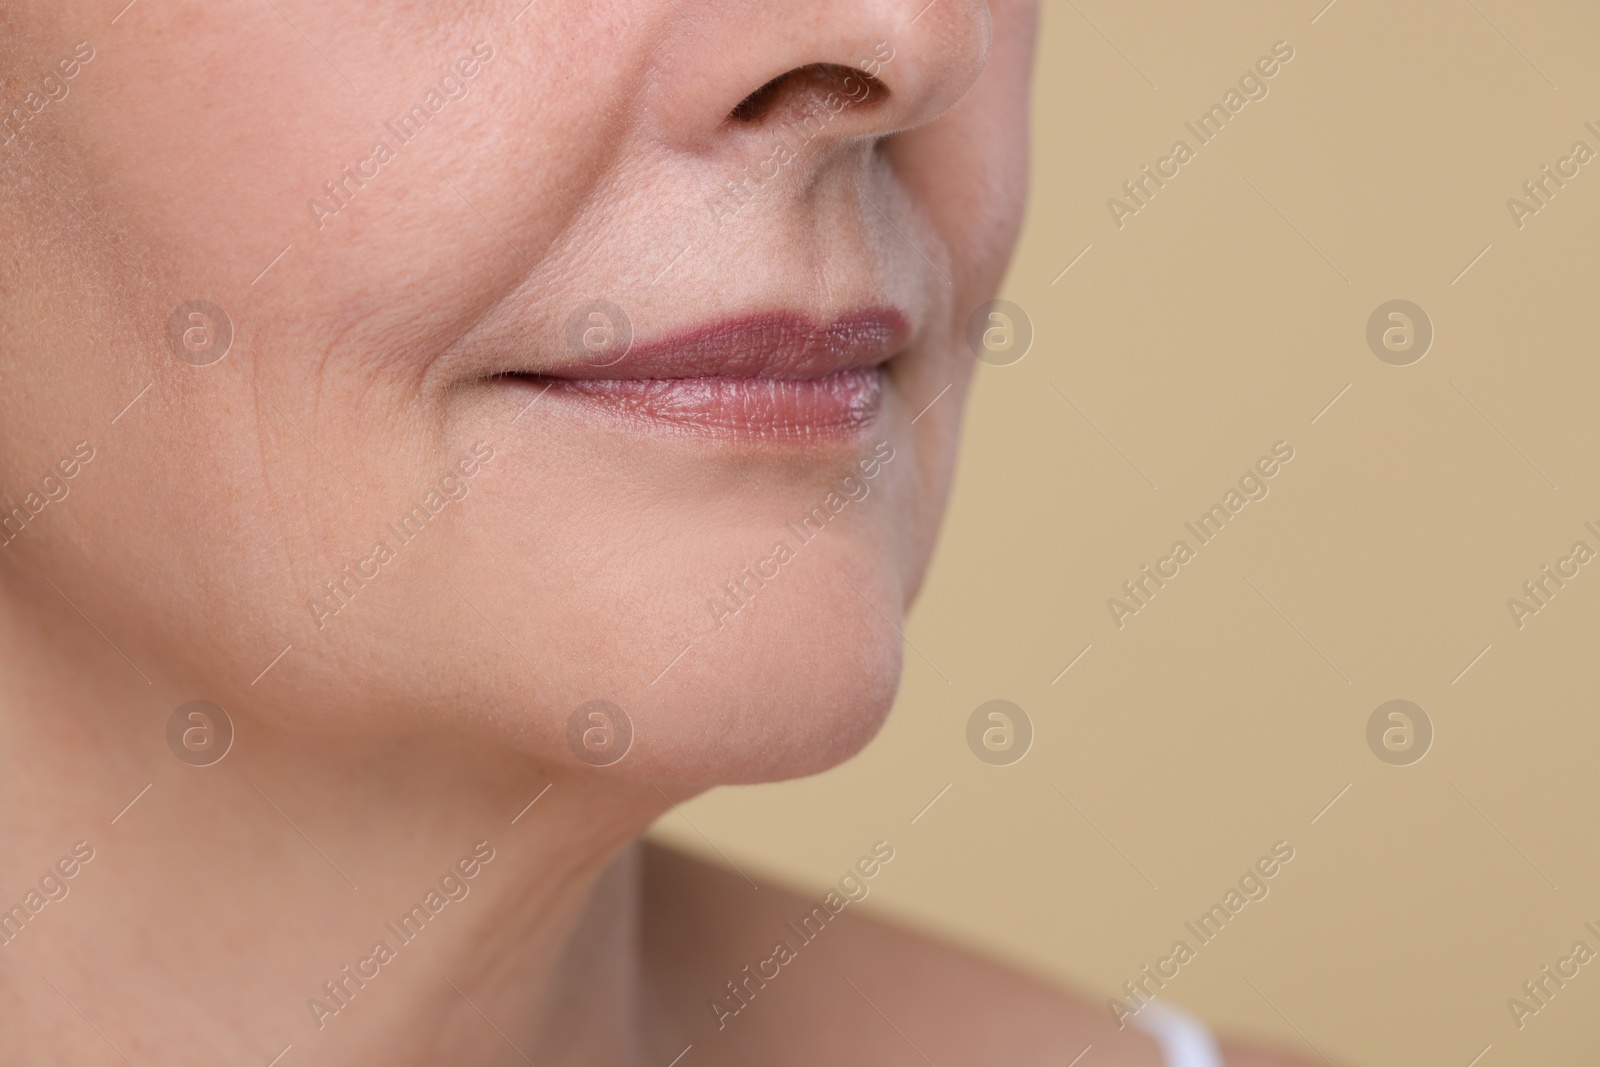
(390, 216)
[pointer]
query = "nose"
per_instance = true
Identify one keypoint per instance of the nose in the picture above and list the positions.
(814, 73)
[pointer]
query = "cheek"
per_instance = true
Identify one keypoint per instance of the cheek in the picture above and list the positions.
(556, 580)
(237, 522)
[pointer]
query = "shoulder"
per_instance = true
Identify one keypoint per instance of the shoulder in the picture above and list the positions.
(748, 974)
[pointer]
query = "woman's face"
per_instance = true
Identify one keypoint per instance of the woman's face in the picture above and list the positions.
(493, 359)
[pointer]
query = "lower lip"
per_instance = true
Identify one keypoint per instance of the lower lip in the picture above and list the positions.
(801, 411)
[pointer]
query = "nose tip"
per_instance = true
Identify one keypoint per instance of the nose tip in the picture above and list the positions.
(803, 89)
(872, 67)
(937, 55)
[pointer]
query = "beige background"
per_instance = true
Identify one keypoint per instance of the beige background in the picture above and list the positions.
(1224, 317)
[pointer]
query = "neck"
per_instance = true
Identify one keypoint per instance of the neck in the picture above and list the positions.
(390, 901)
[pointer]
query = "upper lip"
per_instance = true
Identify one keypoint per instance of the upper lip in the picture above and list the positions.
(765, 345)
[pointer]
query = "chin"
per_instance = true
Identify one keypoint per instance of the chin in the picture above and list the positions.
(803, 685)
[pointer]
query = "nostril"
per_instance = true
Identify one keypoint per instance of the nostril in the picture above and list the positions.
(806, 87)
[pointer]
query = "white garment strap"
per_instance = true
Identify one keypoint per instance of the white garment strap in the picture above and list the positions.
(1184, 1040)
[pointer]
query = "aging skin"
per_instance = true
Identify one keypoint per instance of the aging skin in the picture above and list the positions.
(424, 506)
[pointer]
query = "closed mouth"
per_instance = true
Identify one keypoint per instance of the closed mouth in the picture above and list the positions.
(776, 378)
